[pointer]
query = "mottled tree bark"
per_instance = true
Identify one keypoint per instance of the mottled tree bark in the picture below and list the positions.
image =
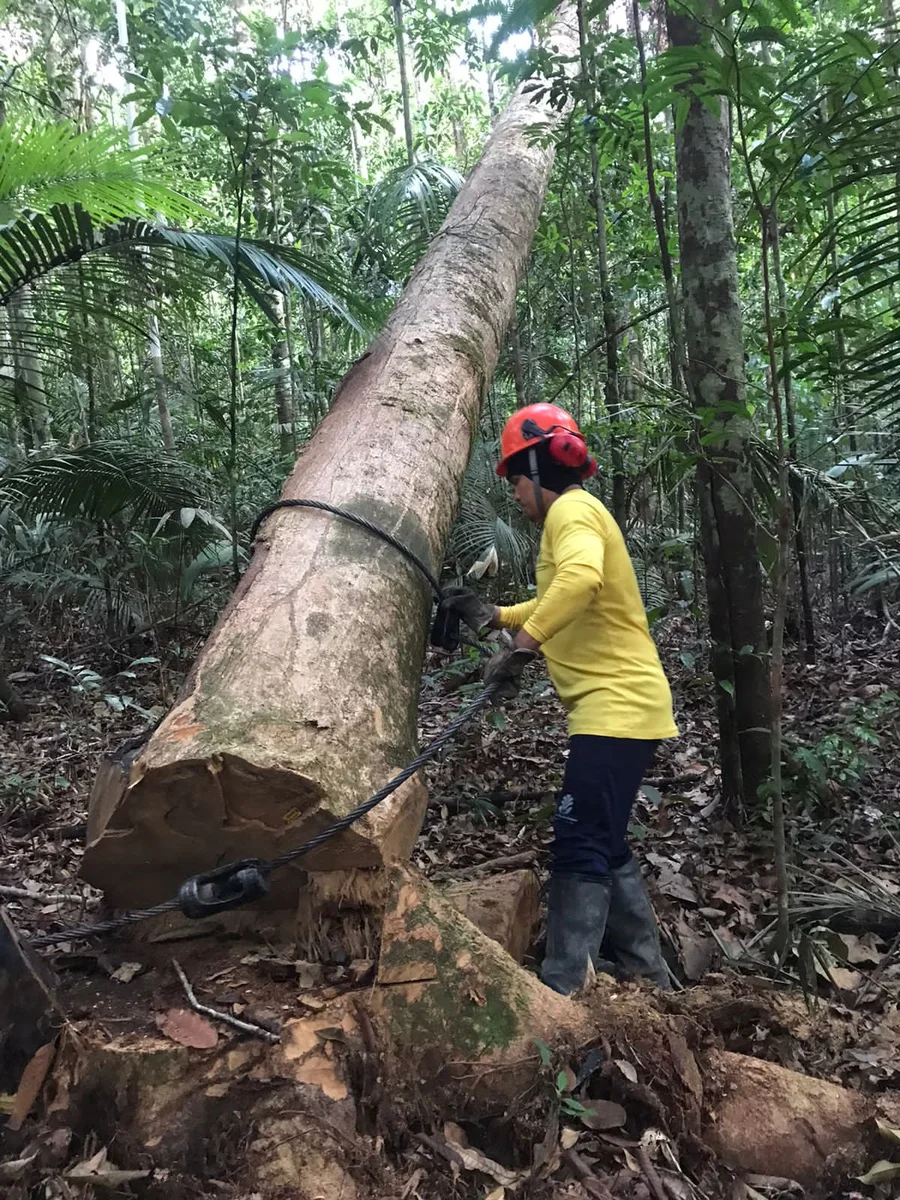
(714, 339)
(304, 700)
(158, 375)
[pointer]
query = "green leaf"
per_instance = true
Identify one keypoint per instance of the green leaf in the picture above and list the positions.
(44, 166)
(727, 686)
(543, 1050)
(763, 33)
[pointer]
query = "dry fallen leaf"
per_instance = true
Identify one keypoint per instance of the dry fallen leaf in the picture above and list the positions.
(729, 894)
(30, 1085)
(604, 1114)
(844, 979)
(455, 1135)
(474, 1160)
(861, 949)
(187, 1028)
(568, 1138)
(100, 1173)
(497, 1194)
(15, 1168)
(627, 1069)
(412, 1183)
(126, 972)
(697, 951)
(678, 886)
(882, 1172)
(888, 1131)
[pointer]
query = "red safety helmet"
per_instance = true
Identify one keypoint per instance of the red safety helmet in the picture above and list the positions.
(537, 423)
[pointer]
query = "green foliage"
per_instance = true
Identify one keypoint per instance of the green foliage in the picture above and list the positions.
(404, 211)
(100, 481)
(819, 776)
(44, 167)
(273, 156)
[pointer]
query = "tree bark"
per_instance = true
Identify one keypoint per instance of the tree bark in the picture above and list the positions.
(450, 1029)
(303, 701)
(515, 358)
(715, 347)
(158, 375)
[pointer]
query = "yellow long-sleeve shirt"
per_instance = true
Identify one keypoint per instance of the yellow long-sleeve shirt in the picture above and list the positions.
(589, 618)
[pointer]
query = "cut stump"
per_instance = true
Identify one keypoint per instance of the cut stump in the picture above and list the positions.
(449, 1031)
(505, 907)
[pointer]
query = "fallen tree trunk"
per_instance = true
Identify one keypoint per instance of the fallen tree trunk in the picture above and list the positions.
(303, 701)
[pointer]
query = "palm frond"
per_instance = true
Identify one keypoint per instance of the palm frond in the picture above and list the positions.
(487, 520)
(271, 265)
(405, 211)
(45, 166)
(37, 245)
(99, 481)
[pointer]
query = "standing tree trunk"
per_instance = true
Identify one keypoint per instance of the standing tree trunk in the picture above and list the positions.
(154, 345)
(611, 393)
(796, 483)
(515, 358)
(158, 375)
(30, 393)
(304, 700)
(397, 9)
(715, 348)
(281, 362)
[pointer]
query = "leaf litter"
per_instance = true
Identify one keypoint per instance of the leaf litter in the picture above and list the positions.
(493, 796)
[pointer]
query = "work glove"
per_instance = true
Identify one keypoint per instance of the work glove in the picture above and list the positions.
(468, 606)
(505, 668)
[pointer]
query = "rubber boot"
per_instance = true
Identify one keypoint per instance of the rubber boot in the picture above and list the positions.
(632, 935)
(577, 907)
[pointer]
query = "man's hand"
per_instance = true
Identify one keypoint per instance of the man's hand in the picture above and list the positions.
(505, 669)
(469, 606)
(524, 641)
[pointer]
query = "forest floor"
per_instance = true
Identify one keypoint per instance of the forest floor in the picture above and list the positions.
(491, 803)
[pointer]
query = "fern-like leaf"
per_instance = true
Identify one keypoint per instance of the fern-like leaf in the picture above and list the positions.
(99, 481)
(45, 166)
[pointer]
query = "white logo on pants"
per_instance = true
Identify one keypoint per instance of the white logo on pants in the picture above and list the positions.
(565, 808)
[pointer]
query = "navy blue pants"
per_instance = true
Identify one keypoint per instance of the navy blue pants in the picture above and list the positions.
(603, 775)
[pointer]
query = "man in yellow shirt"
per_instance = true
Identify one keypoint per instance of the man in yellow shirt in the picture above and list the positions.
(588, 621)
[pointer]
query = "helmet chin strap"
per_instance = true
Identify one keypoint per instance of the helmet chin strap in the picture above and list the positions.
(536, 481)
